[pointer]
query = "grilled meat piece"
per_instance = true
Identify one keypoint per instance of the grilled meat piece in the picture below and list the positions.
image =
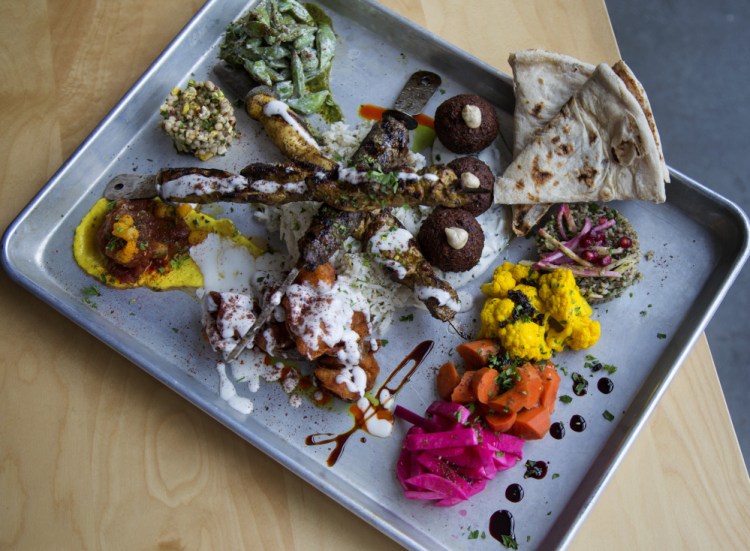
(396, 249)
(384, 148)
(327, 232)
(343, 189)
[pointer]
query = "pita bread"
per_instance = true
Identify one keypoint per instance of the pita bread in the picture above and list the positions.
(636, 88)
(599, 147)
(543, 82)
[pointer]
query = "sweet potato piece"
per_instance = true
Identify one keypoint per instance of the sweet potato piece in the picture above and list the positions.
(447, 379)
(476, 354)
(525, 393)
(484, 384)
(500, 422)
(462, 393)
(531, 424)
(550, 386)
(323, 274)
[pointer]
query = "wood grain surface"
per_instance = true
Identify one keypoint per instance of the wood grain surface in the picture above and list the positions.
(95, 454)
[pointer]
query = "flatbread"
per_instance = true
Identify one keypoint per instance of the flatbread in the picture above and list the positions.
(599, 147)
(543, 82)
(636, 88)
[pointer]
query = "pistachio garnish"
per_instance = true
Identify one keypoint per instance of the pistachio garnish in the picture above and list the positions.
(457, 237)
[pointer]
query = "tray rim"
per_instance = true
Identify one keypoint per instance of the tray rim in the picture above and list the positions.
(739, 217)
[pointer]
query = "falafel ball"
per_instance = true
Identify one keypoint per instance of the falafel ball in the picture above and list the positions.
(451, 239)
(474, 174)
(466, 123)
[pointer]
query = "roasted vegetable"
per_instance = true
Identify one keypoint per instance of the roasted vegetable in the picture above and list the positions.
(533, 316)
(289, 47)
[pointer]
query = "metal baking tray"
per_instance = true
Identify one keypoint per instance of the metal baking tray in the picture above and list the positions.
(699, 242)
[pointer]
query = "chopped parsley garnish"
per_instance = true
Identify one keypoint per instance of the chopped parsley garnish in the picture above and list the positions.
(661, 335)
(565, 399)
(409, 317)
(555, 475)
(91, 291)
(608, 415)
(507, 378)
(595, 365)
(474, 534)
(580, 384)
(383, 342)
(509, 542)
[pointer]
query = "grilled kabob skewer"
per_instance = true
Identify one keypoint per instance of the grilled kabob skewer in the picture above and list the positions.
(395, 248)
(344, 189)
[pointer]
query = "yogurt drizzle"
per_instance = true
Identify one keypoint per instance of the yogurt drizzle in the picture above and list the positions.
(281, 109)
(196, 184)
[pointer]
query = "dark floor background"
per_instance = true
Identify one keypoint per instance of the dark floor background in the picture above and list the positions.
(692, 58)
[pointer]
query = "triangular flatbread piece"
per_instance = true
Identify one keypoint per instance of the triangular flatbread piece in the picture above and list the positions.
(543, 82)
(599, 147)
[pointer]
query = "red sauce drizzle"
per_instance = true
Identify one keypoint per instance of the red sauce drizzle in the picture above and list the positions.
(417, 356)
(375, 113)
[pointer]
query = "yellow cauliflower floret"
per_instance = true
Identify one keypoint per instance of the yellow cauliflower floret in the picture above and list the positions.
(502, 282)
(585, 333)
(561, 297)
(494, 311)
(532, 294)
(518, 271)
(565, 320)
(525, 339)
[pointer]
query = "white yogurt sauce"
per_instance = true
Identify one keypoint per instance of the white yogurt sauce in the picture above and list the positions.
(444, 298)
(382, 428)
(228, 392)
(323, 314)
(197, 184)
(390, 240)
(281, 109)
(225, 265)
(267, 186)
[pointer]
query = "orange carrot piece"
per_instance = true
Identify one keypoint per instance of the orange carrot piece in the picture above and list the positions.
(500, 422)
(477, 354)
(524, 394)
(531, 424)
(550, 386)
(462, 393)
(484, 384)
(447, 379)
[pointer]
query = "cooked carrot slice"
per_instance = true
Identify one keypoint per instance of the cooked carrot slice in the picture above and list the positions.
(477, 354)
(447, 379)
(550, 386)
(531, 424)
(484, 384)
(462, 393)
(500, 422)
(524, 394)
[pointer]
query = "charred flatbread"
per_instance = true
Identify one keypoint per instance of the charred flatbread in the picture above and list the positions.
(599, 147)
(543, 82)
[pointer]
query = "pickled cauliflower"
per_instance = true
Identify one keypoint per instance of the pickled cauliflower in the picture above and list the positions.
(533, 315)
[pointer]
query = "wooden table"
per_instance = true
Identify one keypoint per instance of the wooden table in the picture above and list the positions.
(95, 454)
